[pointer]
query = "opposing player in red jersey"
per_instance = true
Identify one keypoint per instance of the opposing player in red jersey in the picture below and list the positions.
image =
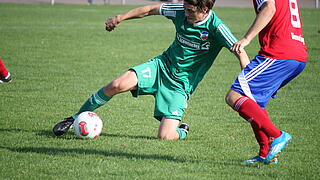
(4, 73)
(282, 56)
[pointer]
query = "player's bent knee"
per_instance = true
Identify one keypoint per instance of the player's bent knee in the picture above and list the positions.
(116, 86)
(228, 99)
(232, 97)
(112, 87)
(125, 82)
(168, 136)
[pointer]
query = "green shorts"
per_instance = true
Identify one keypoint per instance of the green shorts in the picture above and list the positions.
(153, 79)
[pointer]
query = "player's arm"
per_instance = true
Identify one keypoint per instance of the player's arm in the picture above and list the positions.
(227, 39)
(243, 58)
(140, 12)
(266, 12)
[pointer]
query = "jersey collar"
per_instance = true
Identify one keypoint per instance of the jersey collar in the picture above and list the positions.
(203, 21)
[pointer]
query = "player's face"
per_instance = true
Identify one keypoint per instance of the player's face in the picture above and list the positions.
(193, 14)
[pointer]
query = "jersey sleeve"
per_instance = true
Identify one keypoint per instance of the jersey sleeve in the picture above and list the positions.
(170, 10)
(225, 36)
(259, 3)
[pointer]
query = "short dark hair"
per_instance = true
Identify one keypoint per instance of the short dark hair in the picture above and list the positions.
(201, 4)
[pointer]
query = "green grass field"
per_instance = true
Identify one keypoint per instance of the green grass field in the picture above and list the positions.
(59, 55)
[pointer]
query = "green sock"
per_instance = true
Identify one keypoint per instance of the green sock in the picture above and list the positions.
(182, 133)
(97, 100)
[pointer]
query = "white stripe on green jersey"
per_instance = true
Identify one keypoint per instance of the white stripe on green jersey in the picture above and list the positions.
(169, 9)
(173, 6)
(227, 34)
(195, 47)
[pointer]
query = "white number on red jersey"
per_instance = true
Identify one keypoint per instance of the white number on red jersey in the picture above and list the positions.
(295, 18)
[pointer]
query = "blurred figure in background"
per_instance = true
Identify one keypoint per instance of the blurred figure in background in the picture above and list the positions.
(5, 75)
(91, 2)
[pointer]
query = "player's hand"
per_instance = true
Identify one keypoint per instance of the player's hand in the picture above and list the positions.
(111, 23)
(239, 46)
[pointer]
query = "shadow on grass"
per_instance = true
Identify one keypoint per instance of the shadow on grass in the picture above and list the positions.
(129, 136)
(49, 133)
(237, 163)
(46, 133)
(68, 151)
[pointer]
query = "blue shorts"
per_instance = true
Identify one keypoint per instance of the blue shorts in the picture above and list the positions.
(262, 78)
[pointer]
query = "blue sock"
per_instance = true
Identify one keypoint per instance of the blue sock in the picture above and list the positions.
(182, 133)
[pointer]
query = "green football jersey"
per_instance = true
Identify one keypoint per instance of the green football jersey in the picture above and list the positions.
(195, 47)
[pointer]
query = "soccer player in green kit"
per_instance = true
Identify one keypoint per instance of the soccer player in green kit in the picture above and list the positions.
(173, 76)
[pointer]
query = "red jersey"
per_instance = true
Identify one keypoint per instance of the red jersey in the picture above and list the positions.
(282, 38)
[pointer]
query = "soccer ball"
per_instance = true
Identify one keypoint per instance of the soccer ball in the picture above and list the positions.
(87, 125)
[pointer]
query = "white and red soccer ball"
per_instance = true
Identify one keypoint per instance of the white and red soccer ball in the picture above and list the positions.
(87, 125)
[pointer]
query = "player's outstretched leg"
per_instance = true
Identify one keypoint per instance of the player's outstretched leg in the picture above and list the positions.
(95, 101)
(277, 145)
(63, 126)
(125, 82)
